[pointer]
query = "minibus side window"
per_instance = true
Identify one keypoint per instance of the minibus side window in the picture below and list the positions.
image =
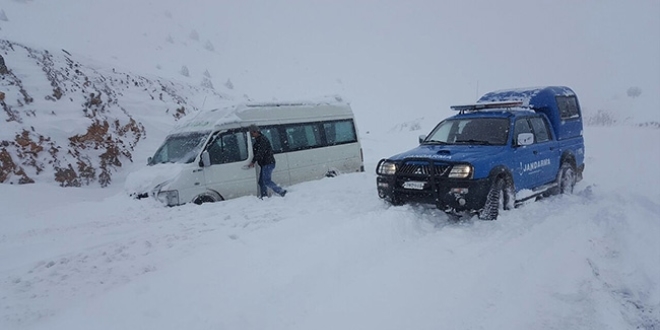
(303, 136)
(228, 148)
(273, 135)
(339, 132)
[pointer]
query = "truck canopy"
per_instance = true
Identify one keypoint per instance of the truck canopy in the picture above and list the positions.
(558, 103)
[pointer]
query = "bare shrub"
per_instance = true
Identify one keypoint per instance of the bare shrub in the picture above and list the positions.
(184, 71)
(634, 92)
(601, 118)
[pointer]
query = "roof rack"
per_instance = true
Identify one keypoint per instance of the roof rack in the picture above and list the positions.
(275, 104)
(487, 105)
(329, 99)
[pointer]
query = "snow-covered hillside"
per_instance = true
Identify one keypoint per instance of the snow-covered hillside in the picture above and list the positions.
(71, 121)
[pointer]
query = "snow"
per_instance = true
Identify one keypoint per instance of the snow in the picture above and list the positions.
(148, 177)
(331, 254)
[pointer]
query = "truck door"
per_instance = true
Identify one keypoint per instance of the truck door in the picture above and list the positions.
(525, 157)
(547, 150)
(229, 152)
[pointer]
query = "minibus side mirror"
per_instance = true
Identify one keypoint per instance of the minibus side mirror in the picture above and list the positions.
(206, 159)
(149, 160)
(421, 138)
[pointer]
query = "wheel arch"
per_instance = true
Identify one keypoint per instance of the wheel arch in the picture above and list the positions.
(568, 157)
(501, 171)
(208, 194)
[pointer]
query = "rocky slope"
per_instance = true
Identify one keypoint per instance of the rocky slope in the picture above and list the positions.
(68, 120)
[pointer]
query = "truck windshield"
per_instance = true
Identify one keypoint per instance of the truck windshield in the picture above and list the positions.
(180, 148)
(484, 131)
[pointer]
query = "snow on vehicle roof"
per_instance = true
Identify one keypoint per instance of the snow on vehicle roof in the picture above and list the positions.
(527, 95)
(245, 112)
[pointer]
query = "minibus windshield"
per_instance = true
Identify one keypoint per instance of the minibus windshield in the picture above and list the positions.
(180, 148)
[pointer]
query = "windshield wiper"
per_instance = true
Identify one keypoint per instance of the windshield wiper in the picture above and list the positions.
(435, 142)
(473, 141)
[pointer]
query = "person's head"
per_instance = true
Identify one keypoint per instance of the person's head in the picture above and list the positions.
(254, 130)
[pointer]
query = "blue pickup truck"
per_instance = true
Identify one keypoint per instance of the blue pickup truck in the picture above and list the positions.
(509, 147)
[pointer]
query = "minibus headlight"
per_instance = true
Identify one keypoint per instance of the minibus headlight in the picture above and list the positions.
(463, 171)
(386, 168)
(169, 197)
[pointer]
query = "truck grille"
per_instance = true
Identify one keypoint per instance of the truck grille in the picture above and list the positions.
(423, 168)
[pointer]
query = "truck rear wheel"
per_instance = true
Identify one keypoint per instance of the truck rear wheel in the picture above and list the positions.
(567, 178)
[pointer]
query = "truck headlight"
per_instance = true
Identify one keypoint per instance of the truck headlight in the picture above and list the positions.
(386, 168)
(168, 197)
(463, 171)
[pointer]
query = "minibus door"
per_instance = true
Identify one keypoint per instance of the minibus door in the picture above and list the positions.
(227, 174)
(281, 173)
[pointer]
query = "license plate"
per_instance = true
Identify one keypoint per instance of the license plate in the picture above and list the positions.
(417, 185)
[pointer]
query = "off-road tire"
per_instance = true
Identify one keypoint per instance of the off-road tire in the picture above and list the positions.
(566, 179)
(500, 197)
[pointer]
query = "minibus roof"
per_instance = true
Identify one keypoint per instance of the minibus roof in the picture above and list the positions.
(265, 113)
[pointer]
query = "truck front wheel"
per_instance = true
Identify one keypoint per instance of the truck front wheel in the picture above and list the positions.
(500, 197)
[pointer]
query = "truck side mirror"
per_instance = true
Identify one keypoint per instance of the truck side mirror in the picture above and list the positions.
(206, 159)
(421, 138)
(525, 139)
(149, 160)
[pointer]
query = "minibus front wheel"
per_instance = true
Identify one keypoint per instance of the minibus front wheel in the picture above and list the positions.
(201, 199)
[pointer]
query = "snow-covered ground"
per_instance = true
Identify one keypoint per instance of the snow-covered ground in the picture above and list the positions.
(331, 255)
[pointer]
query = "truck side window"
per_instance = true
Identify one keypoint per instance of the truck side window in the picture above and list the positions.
(568, 107)
(228, 148)
(540, 129)
(522, 126)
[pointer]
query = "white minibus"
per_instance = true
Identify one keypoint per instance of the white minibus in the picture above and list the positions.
(204, 159)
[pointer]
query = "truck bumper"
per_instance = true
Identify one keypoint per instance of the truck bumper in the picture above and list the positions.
(446, 194)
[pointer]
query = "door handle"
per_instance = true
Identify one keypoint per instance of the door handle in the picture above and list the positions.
(536, 152)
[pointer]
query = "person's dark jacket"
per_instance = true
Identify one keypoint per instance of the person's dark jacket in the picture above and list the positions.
(263, 152)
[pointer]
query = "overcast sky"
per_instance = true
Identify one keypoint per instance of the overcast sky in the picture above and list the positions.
(400, 57)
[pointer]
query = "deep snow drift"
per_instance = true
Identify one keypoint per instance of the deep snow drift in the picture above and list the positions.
(331, 255)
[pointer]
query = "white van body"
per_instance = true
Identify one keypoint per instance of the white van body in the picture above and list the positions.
(204, 159)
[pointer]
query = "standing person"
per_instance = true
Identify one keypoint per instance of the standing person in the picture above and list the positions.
(263, 155)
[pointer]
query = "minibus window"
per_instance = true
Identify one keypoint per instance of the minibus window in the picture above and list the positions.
(228, 148)
(303, 136)
(273, 135)
(339, 132)
(180, 148)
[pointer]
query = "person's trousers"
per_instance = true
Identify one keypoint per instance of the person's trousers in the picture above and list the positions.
(266, 182)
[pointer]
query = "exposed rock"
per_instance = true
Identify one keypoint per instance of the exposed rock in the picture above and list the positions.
(3, 67)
